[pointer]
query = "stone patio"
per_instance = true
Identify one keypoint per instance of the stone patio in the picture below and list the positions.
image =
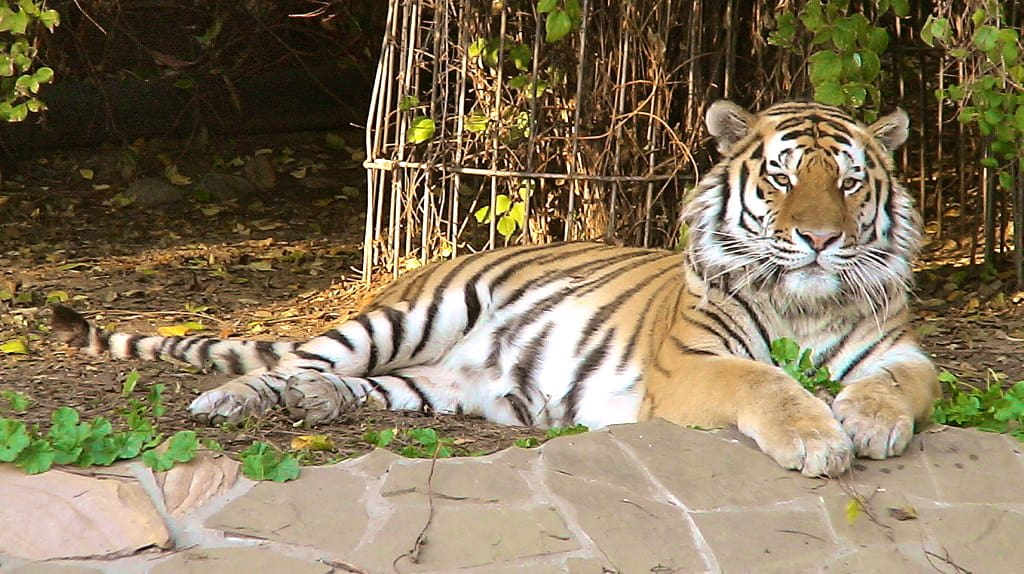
(649, 497)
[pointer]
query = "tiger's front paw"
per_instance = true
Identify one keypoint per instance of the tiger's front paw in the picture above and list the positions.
(879, 422)
(803, 436)
(231, 402)
(316, 397)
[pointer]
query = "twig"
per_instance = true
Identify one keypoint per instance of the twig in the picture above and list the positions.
(414, 552)
(90, 18)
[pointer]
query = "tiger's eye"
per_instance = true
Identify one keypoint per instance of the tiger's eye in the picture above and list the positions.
(850, 183)
(781, 179)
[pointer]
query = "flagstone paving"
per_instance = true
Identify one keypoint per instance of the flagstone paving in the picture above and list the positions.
(648, 497)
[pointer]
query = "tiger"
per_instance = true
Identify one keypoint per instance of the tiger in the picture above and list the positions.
(800, 230)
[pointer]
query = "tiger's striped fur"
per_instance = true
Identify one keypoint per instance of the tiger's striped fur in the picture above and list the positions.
(800, 231)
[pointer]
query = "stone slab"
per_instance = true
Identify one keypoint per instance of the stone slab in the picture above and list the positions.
(237, 560)
(60, 514)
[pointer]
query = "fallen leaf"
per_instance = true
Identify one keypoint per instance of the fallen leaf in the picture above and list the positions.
(212, 210)
(261, 266)
(903, 513)
(17, 346)
(853, 510)
(972, 305)
(312, 442)
(86, 173)
(299, 173)
(179, 330)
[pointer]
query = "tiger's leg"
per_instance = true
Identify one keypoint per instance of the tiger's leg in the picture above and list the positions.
(376, 342)
(789, 424)
(878, 408)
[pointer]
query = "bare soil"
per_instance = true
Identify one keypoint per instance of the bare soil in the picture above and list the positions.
(282, 265)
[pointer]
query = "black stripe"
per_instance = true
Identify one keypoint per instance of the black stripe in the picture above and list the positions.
(585, 369)
(168, 345)
(371, 362)
(234, 361)
(852, 365)
(131, 345)
(687, 349)
(384, 393)
(756, 320)
(519, 407)
(313, 357)
(721, 339)
(397, 320)
(605, 311)
(523, 371)
(425, 404)
(265, 350)
(337, 336)
(203, 353)
(472, 306)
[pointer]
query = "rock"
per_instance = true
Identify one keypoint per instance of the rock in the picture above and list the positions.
(259, 170)
(59, 514)
(187, 486)
(151, 192)
(222, 186)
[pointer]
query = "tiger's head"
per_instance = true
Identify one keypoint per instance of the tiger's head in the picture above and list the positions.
(804, 203)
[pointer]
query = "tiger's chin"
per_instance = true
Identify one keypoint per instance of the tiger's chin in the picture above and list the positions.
(810, 284)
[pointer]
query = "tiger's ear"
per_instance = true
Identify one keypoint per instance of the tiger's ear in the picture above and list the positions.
(727, 123)
(892, 130)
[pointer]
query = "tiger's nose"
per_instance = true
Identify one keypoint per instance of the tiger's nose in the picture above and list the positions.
(819, 240)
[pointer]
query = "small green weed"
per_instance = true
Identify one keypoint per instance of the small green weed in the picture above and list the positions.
(993, 409)
(797, 363)
(262, 461)
(553, 432)
(16, 401)
(426, 443)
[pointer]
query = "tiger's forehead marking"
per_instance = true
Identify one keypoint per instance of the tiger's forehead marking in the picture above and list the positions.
(785, 149)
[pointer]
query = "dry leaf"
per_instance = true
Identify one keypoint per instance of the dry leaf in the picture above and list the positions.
(903, 513)
(312, 442)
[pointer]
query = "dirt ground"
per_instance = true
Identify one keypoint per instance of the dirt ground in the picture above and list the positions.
(282, 264)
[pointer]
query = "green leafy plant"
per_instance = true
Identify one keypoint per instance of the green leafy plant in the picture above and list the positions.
(426, 443)
(262, 461)
(797, 363)
(993, 97)
(180, 448)
(563, 16)
(16, 401)
(845, 60)
(993, 409)
(380, 439)
(20, 77)
(553, 432)
(511, 213)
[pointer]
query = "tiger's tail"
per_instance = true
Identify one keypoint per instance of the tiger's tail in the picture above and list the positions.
(224, 355)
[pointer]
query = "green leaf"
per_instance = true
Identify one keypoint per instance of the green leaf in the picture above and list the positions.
(130, 380)
(380, 439)
(483, 215)
(985, 38)
(425, 436)
(13, 22)
(37, 457)
(408, 103)
(521, 56)
(17, 402)
(476, 122)
(830, 93)
(501, 203)
(844, 37)
(1005, 180)
(825, 66)
(50, 19)
(17, 346)
(557, 25)
(13, 439)
(901, 8)
(262, 462)
(870, 66)
(856, 94)
(421, 129)
(506, 226)
(545, 6)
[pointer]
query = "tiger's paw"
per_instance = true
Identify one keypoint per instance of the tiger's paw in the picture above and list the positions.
(231, 402)
(804, 437)
(879, 422)
(315, 398)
